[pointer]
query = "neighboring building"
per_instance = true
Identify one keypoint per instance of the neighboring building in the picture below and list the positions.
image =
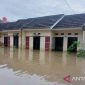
(56, 32)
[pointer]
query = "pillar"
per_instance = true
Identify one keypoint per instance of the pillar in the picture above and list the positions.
(31, 43)
(20, 41)
(2, 39)
(42, 43)
(23, 40)
(51, 41)
(11, 40)
(65, 43)
(83, 46)
(81, 40)
(79, 47)
(51, 46)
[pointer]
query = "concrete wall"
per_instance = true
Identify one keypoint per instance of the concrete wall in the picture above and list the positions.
(43, 33)
(2, 39)
(79, 36)
(32, 33)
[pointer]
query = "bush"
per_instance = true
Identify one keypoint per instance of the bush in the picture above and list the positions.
(72, 47)
(81, 53)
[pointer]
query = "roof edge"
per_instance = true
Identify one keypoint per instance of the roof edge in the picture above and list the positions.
(57, 22)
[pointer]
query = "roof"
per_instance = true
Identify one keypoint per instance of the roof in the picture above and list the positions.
(71, 21)
(39, 22)
(6, 26)
(43, 22)
(53, 21)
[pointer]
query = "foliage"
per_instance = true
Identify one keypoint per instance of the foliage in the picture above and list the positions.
(70, 49)
(81, 53)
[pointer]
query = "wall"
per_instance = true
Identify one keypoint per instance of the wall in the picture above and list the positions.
(43, 33)
(80, 36)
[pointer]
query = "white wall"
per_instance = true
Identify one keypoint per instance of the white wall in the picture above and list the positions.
(79, 36)
(43, 33)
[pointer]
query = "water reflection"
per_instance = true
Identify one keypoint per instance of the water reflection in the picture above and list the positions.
(25, 67)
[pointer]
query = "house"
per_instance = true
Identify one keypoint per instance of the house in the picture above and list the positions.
(55, 32)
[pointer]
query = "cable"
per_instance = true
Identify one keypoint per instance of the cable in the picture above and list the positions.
(70, 6)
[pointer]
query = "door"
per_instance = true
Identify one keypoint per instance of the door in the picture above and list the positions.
(47, 43)
(16, 41)
(7, 41)
(58, 43)
(27, 42)
(36, 43)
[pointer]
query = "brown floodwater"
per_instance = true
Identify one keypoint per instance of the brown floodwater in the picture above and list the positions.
(25, 67)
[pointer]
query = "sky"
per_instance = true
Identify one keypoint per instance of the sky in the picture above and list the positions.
(22, 9)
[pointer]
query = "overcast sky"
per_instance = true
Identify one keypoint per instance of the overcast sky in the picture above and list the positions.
(18, 9)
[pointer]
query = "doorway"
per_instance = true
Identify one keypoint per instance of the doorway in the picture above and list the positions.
(36, 43)
(16, 41)
(71, 40)
(58, 44)
(6, 41)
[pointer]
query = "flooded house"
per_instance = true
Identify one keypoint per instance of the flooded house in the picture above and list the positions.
(56, 32)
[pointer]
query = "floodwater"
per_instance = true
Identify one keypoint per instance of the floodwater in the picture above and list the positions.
(24, 67)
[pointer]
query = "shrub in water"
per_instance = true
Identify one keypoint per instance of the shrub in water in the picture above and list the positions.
(81, 53)
(72, 47)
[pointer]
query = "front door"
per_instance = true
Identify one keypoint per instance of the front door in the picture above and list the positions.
(36, 43)
(58, 43)
(16, 41)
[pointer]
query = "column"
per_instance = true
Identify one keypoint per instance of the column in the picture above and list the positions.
(65, 44)
(51, 43)
(31, 43)
(23, 40)
(2, 39)
(42, 43)
(83, 40)
(11, 40)
(20, 41)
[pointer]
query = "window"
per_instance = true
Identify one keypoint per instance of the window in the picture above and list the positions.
(69, 33)
(34, 33)
(56, 33)
(38, 33)
(62, 33)
(76, 33)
